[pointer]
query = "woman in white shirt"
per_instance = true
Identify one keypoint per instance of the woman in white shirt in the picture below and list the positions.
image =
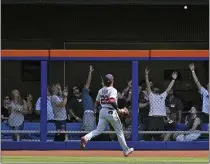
(17, 109)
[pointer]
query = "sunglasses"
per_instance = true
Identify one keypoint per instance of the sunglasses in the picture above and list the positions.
(75, 88)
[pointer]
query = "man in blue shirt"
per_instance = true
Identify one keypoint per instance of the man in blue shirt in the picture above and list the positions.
(204, 93)
(89, 120)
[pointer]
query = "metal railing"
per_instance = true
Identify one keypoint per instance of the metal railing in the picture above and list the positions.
(18, 132)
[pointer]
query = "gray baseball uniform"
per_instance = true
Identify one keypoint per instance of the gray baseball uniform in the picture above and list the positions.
(108, 115)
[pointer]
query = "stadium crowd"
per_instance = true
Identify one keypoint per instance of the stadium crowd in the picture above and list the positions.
(158, 111)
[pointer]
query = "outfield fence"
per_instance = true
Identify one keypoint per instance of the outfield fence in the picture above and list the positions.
(32, 78)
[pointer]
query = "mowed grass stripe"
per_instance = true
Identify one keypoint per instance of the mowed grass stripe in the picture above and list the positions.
(99, 159)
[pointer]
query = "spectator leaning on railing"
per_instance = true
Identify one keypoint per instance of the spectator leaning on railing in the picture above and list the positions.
(205, 95)
(89, 119)
(175, 106)
(59, 101)
(50, 114)
(17, 109)
(193, 124)
(157, 106)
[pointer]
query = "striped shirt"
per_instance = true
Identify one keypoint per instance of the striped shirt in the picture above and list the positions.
(59, 112)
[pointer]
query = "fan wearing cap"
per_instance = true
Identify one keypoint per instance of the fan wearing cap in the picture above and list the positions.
(107, 98)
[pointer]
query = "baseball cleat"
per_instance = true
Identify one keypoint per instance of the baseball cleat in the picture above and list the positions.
(83, 142)
(130, 151)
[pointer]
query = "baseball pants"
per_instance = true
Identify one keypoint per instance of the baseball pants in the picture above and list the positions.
(109, 116)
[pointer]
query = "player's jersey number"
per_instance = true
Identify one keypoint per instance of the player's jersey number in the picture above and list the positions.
(104, 99)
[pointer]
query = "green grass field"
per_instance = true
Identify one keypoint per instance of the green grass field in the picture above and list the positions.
(49, 159)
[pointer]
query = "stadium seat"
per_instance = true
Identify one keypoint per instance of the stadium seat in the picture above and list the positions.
(205, 127)
(204, 137)
(74, 127)
(181, 127)
(51, 127)
(4, 126)
(69, 127)
(31, 126)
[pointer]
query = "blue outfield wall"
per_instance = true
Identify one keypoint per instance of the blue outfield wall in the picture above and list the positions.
(105, 145)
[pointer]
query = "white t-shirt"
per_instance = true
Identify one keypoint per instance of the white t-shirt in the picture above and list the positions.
(16, 118)
(50, 114)
(104, 94)
(157, 104)
(59, 112)
(205, 98)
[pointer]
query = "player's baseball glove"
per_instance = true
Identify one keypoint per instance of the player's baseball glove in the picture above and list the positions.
(123, 112)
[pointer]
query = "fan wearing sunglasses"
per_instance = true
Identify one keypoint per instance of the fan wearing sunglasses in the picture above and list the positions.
(4, 108)
(75, 105)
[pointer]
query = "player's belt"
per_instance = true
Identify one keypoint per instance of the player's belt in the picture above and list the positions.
(109, 108)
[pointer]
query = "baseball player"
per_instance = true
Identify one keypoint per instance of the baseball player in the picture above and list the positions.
(107, 98)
